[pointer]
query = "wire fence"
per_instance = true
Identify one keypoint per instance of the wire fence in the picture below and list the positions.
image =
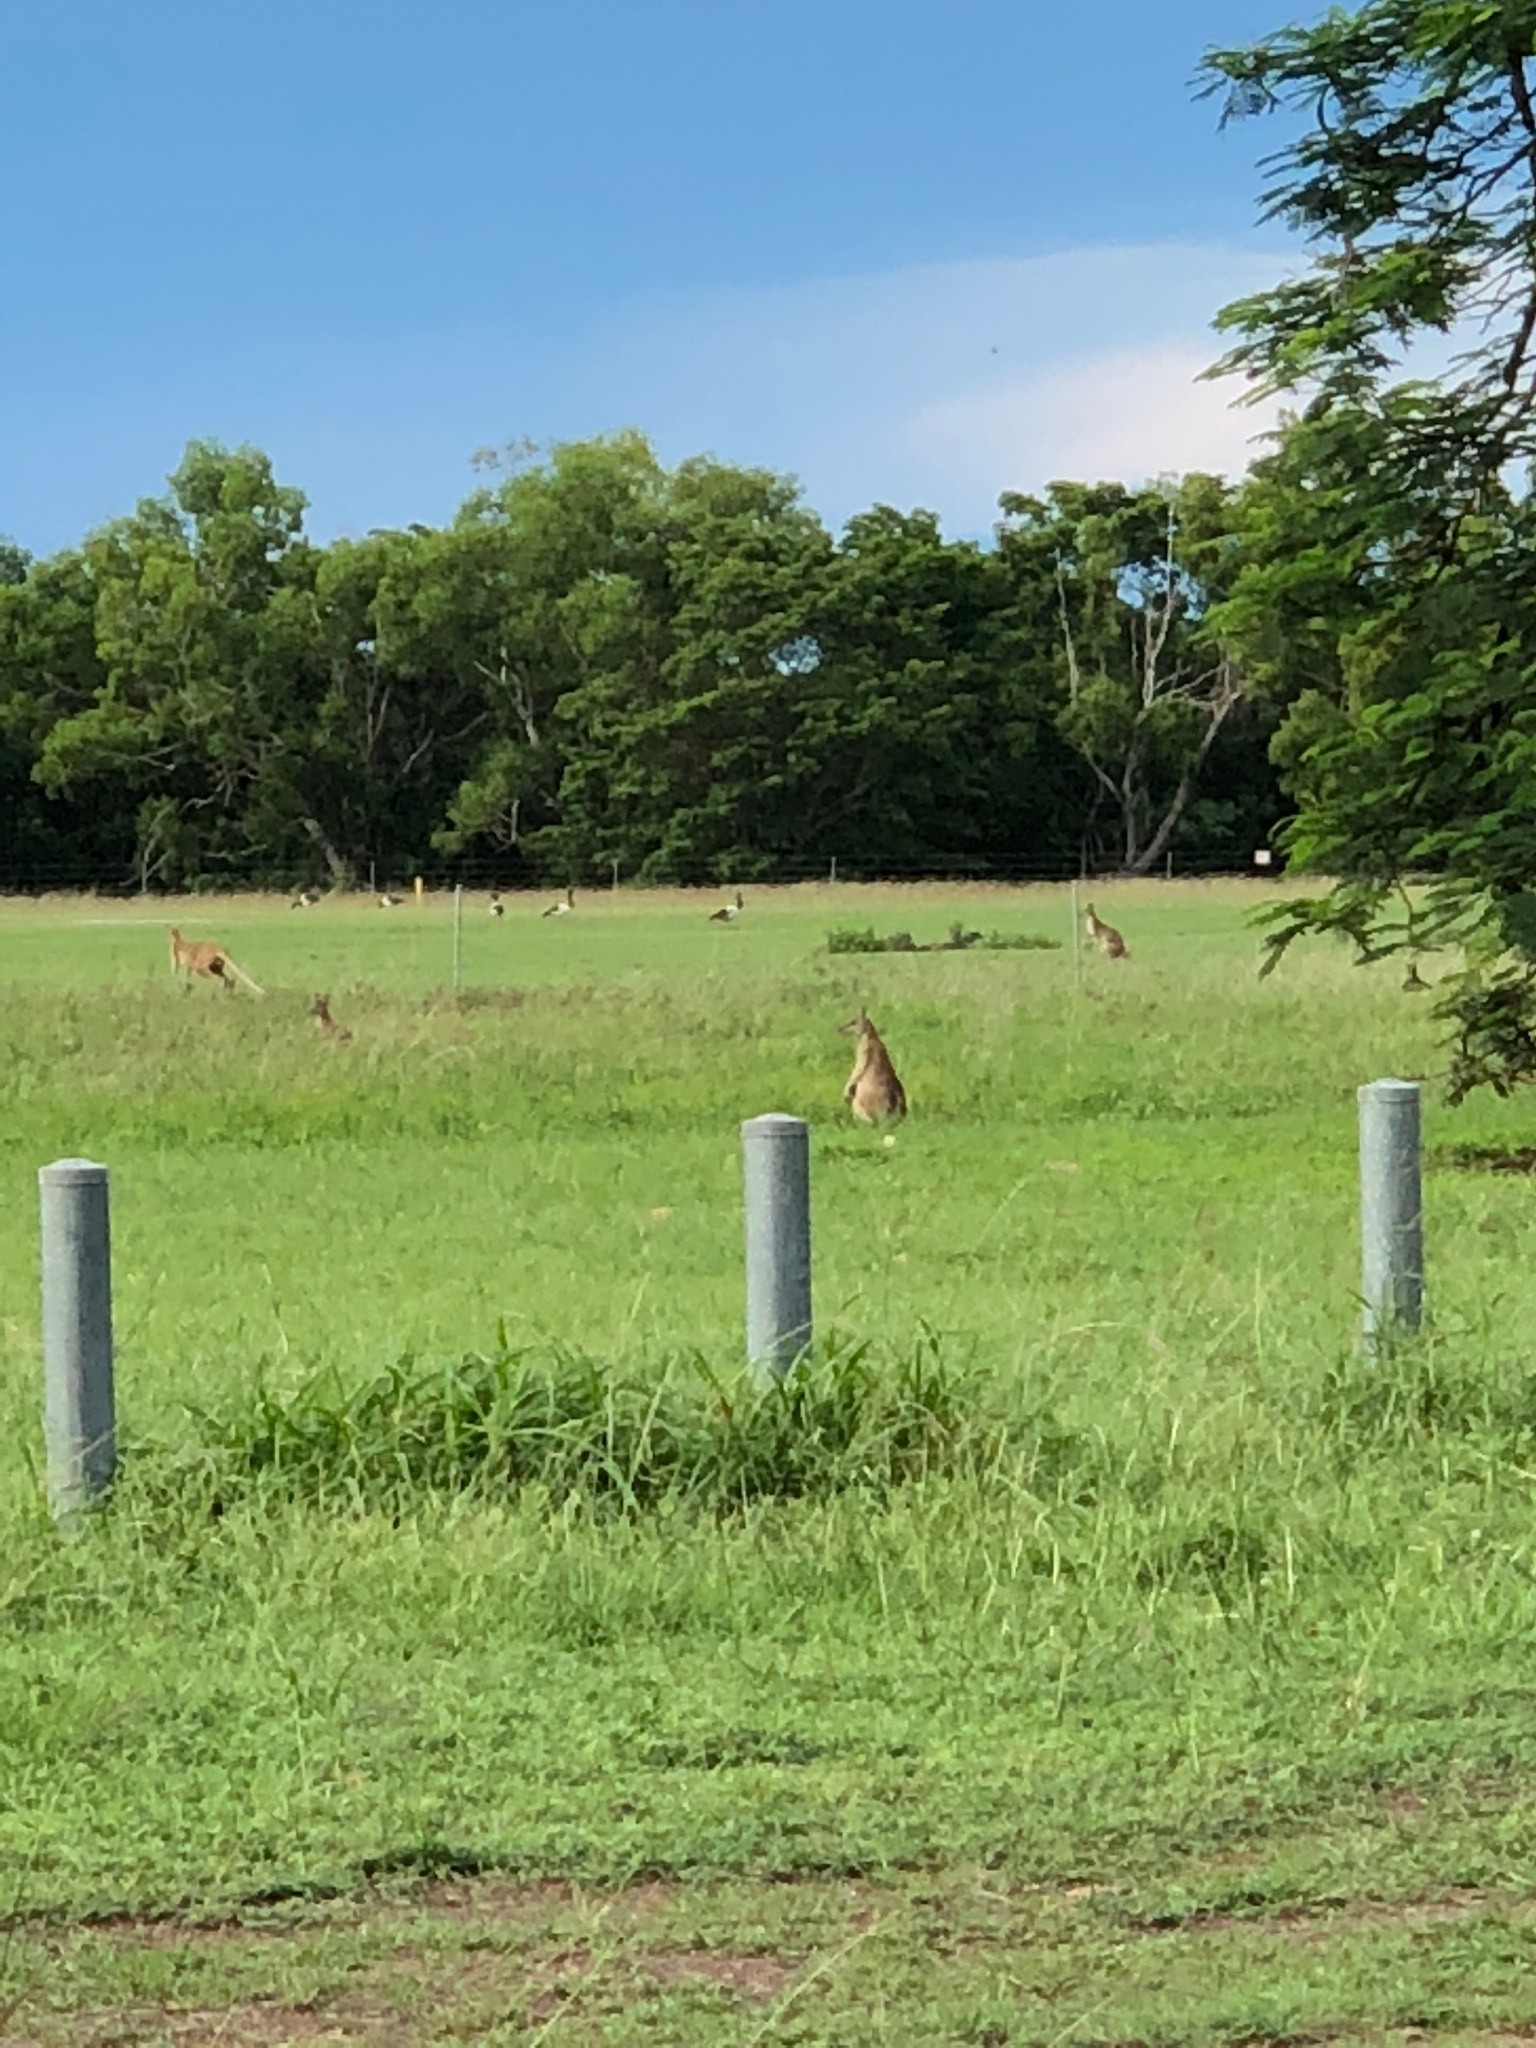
(26, 879)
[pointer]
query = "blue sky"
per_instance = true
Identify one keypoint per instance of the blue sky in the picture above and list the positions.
(910, 251)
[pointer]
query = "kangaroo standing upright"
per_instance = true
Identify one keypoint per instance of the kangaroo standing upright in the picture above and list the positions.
(202, 956)
(874, 1090)
(1106, 938)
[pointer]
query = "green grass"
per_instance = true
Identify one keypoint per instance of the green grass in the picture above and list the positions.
(1091, 1647)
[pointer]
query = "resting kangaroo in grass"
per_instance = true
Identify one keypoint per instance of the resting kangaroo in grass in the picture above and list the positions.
(320, 1010)
(202, 956)
(1106, 938)
(874, 1091)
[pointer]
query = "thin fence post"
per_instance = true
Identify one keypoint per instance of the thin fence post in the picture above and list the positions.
(79, 1415)
(776, 1179)
(1077, 941)
(832, 877)
(1391, 1208)
(458, 933)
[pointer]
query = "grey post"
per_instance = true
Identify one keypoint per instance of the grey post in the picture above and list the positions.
(776, 1174)
(458, 932)
(1391, 1208)
(79, 1420)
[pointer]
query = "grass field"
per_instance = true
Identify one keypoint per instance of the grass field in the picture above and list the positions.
(1095, 1649)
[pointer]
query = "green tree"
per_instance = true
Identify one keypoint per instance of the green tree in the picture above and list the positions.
(200, 601)
(756, 696)
(510, 603)
(1145, 686)
(49, 671)
(1388, 544)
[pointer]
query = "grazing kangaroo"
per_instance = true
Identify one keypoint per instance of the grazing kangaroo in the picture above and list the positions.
(728, 912)
(1413, 981)
(874, 1091)
(561, 909)
(1106, 938)
(320, 1010)
(202, 956)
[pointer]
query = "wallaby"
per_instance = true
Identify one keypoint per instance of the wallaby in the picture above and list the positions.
(1106, 938)
(728, 912)
(320, 1010)
(202, 956)
(563, 909)
(874, 1091)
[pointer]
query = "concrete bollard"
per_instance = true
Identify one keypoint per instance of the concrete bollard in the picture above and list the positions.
(776, 1176)
(79, 1416)
(1391, 1208)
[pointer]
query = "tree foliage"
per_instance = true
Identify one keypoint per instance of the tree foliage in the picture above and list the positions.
(604, 661)
(1386, 589)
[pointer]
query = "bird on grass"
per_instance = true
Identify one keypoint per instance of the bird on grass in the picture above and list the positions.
(563, 908)
(306, 901)
(728, 912)
(496, 907)
(388, 901)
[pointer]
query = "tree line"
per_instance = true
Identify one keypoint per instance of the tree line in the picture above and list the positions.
(602, 665)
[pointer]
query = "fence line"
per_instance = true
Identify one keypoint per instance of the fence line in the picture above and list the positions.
(510, 878)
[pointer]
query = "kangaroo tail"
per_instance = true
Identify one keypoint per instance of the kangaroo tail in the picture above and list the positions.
(240, 975)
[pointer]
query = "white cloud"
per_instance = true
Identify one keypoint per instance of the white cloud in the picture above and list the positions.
(941, 384)
(1131, 415)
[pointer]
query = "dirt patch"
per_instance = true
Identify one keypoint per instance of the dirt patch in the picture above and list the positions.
(567, 1972)
(174, 1932)
(1321, 1921)
(1486, 1158)
(457, 1900)
(1403, 1805)
(756, 1976)
(257, 2023)
(516, 1904)
(531, 1905)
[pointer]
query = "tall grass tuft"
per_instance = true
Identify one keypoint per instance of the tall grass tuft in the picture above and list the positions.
(568, 1424)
